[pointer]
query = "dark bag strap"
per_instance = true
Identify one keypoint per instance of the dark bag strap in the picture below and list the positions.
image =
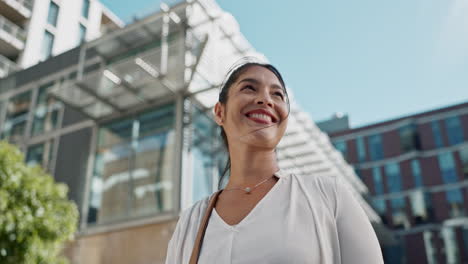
(202, 229)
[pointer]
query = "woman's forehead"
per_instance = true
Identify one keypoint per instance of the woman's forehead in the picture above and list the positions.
(259, 74)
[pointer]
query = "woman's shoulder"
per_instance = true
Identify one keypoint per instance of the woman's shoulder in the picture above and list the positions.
(319, 187)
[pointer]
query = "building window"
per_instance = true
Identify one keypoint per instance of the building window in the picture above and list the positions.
(341, 147)
(133, 172)
(85, 8)
(375, 147)
(392, 172)
(202, 153)
(416, 171)
(82, 36)
(361, 149)
(464, 159)
(53, 14)
(437, 134)
(16, 117)
(379, 204)
(46, 112)
(454, 130)
(449, 175)
(450, 245)
(47, 45)
(409, 138)
(40, 154)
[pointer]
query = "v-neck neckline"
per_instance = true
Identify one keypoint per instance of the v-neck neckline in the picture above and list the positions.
(279, 174)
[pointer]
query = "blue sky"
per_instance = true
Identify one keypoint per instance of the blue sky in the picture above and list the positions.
(374, 60)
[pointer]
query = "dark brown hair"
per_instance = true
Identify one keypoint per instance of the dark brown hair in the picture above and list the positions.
(230, 79)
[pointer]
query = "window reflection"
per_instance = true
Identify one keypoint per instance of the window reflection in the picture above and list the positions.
(46, 112)
(361, 149)
(464, 159)
(409, 138)
(40, 154)
(437, 134)
(454, 130)
(449, 175)
(133, 169)
(16, 117)
(375, 147)
(206, 155)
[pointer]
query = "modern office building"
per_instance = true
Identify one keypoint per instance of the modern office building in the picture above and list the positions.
(33, 30)
(416, 168)
(126, 122)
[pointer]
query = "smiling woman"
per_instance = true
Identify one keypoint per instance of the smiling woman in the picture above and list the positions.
(264, 215)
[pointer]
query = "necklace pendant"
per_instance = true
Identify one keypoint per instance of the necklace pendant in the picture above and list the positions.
(247, 190)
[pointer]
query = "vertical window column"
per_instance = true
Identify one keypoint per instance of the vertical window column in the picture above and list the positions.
(47, 45)
(53, 14)
(379, 204)
(375, 147)
(361, 149)
(341, 147)
(454, 130)
(437, 134)
(449, 175)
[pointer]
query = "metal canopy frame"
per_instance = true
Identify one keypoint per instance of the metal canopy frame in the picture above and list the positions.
(116, 45)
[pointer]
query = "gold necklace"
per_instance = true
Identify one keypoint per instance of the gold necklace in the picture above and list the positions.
(248, 190)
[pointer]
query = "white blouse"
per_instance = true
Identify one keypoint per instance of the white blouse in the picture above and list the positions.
(302, 219)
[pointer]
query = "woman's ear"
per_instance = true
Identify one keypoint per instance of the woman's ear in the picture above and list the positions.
(219, 113)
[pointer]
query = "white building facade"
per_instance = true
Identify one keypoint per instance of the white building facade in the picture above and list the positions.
(33, 30)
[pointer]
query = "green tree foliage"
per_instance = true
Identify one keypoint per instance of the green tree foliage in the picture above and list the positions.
(36, 217)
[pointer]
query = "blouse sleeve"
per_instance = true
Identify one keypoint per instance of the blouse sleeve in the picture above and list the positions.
(173, 254)
(358, 241)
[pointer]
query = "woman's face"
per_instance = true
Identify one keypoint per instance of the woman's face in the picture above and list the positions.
(256, 110)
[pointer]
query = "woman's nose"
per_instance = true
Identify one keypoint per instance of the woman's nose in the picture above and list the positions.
(264, 99)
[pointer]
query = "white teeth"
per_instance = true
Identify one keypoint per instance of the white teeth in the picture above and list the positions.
(261, 116)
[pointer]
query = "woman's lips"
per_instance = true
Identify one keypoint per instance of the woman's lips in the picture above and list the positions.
(259, 120)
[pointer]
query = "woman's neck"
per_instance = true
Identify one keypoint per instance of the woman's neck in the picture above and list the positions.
(250, 167)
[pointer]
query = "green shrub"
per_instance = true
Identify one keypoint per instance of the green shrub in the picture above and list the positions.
(36, 217)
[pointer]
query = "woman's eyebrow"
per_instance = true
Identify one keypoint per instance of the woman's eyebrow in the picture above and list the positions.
(255, 81)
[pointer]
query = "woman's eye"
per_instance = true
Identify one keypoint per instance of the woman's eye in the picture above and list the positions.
(249, 87)
(279, 94)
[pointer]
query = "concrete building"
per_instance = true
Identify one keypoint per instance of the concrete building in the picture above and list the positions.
(33, 30)
(126, 122)
(416, 168)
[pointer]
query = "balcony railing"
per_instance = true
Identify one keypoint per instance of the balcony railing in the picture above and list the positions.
(27, 4)
(12, 29)
(6, 66)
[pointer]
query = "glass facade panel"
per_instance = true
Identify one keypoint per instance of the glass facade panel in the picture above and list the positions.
(454, 130)
(416, 171)
(449, 175)
(40, 154)
(437, 134)
(450, 245)
(46, 112)
(379, 204)
(464, 159)
(375, 147)
(392, 172)
(341, 147)
(47, 45)
(53, 14)
(378, 182)
(361, 149)
(202, 155)
(133, 170)
(409, 138)
(82, 36)
(85, 8)
(16, 116)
